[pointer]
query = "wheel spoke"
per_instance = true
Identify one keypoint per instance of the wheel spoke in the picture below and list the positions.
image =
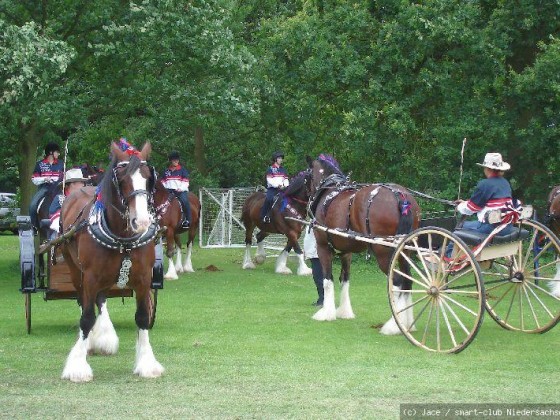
(541, 302)
(448, 325)
(535, 318)
(408, 276)
(536, 286)
(409, 260)
(413, 304)
(456, 317)
(460, 305)
(420, 312)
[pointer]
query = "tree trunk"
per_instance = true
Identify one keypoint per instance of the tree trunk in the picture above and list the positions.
(28, 147)
(199, 154)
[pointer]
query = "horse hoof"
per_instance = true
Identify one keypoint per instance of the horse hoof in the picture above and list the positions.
(170, 277)
(323, 315)
(248, 266)
(285, 270)
(304, 272)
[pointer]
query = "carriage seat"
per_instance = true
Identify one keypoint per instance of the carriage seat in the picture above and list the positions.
(45, 223)
(472, 237)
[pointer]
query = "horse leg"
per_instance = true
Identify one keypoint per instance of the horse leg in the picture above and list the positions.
(103, 338)
(187, 266)
(170, 252)
(555, 285)
(344, 310)
(303, 269)
(247, 262)
(146, 365)
(281, 261)
(328, 311)
(403, 300)
(77, 368)
(260, 256)
(178, 254)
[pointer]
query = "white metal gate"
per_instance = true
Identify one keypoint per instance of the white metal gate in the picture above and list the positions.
(220, 220)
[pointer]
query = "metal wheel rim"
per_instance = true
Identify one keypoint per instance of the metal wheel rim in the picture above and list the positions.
(448, 304)
(525, 304)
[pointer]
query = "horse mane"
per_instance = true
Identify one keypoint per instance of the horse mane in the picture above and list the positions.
(296, 183)
(331, 162)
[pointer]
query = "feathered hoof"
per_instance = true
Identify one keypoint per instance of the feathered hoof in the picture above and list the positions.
(305, 271)
(284, 270)
(259, 259)
(324, 315)
(248, 266)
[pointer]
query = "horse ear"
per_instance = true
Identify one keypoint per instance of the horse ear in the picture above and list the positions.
(309, 160)
(146, 150)
(116, 151)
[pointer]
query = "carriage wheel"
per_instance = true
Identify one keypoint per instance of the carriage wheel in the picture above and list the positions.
(444, 307)
(153, 307)
(523, 289)
(28, 312)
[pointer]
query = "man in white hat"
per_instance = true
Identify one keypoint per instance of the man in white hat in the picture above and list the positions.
(73, 180)
(493, 192)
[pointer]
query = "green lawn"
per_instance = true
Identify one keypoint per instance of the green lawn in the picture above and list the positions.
(242, 344)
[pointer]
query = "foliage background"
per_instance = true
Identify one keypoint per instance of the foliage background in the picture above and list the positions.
(390, 87)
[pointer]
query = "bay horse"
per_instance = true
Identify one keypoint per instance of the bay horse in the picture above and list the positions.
(552, 219)
(113, 243)
(292, 202)
(170, 214)
(372, 210)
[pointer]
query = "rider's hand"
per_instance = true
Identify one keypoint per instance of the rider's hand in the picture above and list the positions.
(457, 202)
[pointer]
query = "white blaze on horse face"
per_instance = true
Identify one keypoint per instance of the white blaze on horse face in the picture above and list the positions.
(139, 213)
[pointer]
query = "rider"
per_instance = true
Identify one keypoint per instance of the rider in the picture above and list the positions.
(47, 171)
(74, 180)
(276, 179)
(493, 192)
(175, 179)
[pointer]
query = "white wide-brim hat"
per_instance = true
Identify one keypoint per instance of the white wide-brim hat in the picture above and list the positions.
(74, 175)
(494, 161)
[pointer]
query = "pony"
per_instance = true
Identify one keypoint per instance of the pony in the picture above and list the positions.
(371, 211)
(291, 202)
(169, 214)
(552, 219)
(113, 242)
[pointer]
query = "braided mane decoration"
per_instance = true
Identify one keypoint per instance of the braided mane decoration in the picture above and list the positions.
(331, 161)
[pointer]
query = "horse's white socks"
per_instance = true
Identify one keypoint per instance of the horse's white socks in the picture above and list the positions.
(281, 263)
(146, 365)
(328, 311)
(77, 368)
(345, 311)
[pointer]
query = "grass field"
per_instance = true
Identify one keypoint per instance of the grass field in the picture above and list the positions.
(242, 344)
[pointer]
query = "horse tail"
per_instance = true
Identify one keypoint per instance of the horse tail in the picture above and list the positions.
(406, 216)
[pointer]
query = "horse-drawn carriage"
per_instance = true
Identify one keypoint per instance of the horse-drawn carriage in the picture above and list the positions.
(45, 271)
(441, 280)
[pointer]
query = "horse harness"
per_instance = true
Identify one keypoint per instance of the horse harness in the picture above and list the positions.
(338, 184)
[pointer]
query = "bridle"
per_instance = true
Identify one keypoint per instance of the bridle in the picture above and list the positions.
(551, 216)
(126, 199)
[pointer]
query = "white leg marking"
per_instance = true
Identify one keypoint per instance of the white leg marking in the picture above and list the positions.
(187, 267)
(77, 368)
(345, 311)
(328, 311)
(281, 267)
(303, 269)
(391, 327)
(247, 263)
(555, 285)
(146, 365)
(260, 256)
(103, 338)
(171, 273)
(178, 262)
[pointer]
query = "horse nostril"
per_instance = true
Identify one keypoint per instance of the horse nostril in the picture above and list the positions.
(134, 223)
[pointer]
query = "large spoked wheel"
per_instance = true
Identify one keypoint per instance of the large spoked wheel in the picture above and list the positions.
(440, 306)
(523, 290)
(153, 307)
(28, 312)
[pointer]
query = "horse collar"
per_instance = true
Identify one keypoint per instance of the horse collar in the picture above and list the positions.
(100, 232)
